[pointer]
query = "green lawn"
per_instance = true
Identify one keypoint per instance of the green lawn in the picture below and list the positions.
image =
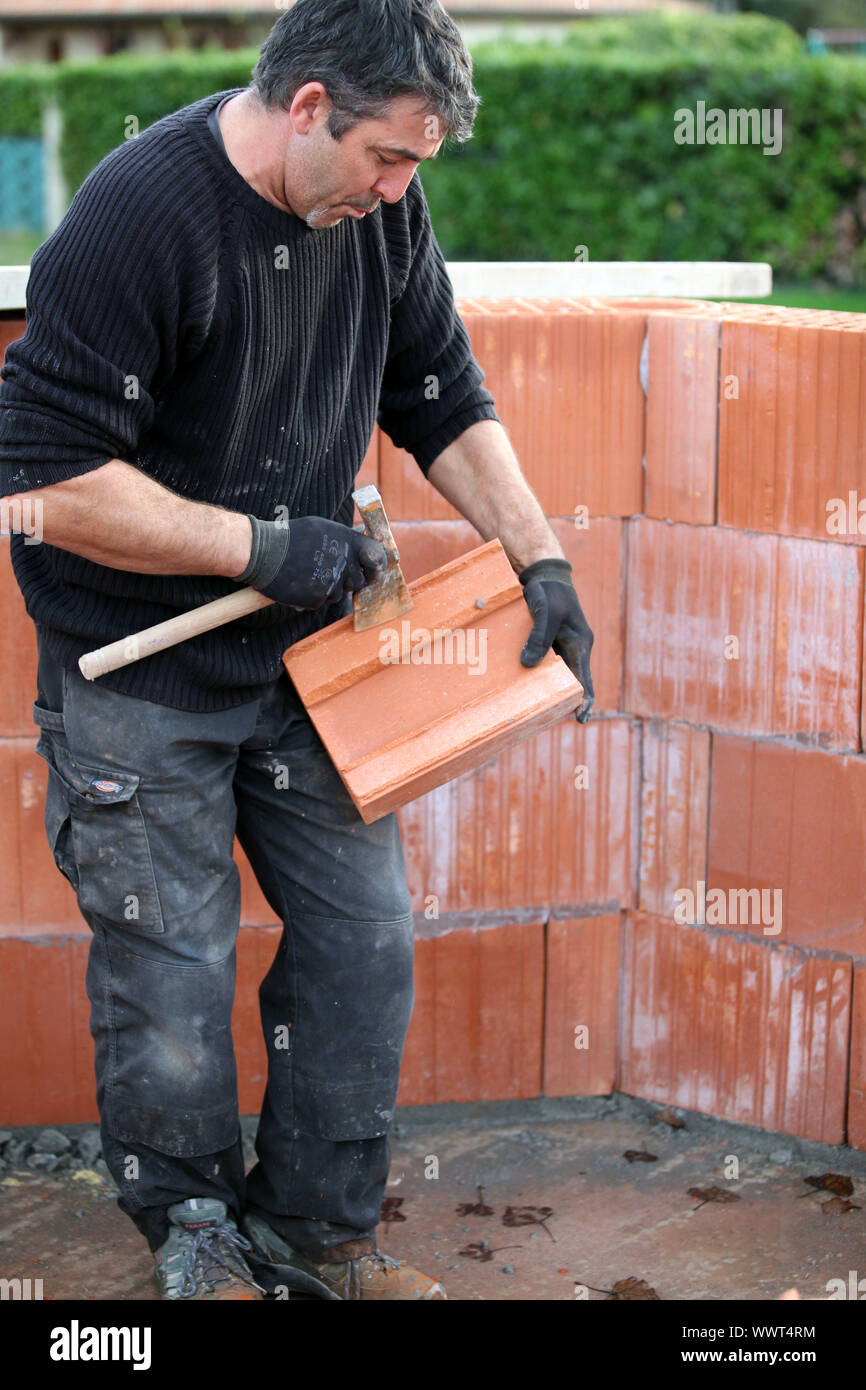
(17, 248)
(807, 297)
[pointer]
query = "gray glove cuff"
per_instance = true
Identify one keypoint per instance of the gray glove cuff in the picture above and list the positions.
(270, 548)
(552, 568)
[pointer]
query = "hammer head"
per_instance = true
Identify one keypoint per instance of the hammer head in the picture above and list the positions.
(388, 597)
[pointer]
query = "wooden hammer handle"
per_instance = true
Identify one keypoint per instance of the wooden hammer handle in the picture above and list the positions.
(222, 610)
(155, 639)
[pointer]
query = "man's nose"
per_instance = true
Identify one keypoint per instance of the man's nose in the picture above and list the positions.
(391, 187)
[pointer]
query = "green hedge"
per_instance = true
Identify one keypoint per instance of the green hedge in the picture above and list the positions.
(578, 149)
(97, 98)
(574, 145)
(23, 92)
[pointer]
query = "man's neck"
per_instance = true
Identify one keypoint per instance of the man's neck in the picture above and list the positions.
(252, 142)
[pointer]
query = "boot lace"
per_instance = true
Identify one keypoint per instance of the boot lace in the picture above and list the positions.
(205, 1250)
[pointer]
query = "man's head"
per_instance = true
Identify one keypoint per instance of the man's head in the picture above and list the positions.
(363, 91)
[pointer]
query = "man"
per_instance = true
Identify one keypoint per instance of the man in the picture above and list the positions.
(230, 303)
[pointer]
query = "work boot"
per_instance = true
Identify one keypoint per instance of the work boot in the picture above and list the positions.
(355, 1269)
(203, 1256)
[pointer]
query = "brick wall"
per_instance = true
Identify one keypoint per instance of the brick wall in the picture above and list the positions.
(688, 453)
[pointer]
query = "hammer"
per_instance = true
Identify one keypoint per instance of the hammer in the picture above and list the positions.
(376, 603)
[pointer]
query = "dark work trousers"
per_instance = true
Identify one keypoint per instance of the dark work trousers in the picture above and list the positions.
(142, 808)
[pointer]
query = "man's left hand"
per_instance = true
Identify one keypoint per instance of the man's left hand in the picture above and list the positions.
(559, 623)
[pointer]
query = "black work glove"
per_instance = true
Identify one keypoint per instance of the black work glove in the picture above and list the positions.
(559, 622)
(310, 561)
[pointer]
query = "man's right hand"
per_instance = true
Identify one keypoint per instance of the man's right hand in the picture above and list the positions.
(310, 561)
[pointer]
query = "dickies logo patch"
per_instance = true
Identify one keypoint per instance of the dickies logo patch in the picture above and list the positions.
(101, 784)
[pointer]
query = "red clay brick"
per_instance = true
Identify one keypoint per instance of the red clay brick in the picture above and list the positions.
(12, 327)
(551, 824)
(581, 994)
(674, 799)
(17, 655)
(47, 1077)
(477, 1026)
(750, 1031)
(567, 389)
(857, 1087)
(682, 417)
(791, 819)
(257, 947)
(794, 436)
(654, 304)
(33, 893)
(255, 910)
(440, 723)
(47, 1073)
(794, 607)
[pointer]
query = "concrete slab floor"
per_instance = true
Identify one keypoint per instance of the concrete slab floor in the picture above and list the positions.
(611, 1219)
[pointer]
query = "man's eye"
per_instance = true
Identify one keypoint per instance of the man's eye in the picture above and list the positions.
(383, 160)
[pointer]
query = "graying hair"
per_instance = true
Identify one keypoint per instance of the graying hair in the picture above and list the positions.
(365, 53)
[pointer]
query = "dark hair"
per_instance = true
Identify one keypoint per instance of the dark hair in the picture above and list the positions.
(365, 53)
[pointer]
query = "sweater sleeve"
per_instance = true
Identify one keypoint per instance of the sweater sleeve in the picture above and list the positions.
(101, 323)
(432, 385)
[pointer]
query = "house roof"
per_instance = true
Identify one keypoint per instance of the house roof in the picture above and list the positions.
(76, 10)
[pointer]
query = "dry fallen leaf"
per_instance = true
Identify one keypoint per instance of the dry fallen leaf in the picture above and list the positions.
(712, 1194)
(832, 1182)
(837, 1206)
(528, 1216)
(630, 1290)
(639, 1156)
(670, 1118)
(475, 1208)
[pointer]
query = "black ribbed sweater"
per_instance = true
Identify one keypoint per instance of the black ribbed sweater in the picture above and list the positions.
(179, 321)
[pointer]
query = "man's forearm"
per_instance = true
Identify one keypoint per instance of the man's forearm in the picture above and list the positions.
(118, 516)
(479, 475)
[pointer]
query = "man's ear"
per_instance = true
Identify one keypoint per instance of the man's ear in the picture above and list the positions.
(310, 103)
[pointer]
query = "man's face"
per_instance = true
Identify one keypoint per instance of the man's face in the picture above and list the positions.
(327, 179)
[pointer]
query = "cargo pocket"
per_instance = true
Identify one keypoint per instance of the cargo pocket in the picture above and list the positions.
(98, 837)
(329, 1111)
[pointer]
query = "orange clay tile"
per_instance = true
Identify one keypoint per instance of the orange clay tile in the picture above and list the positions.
(406, 706)
(580, 1016)
(751, 1031)
(595, 551)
